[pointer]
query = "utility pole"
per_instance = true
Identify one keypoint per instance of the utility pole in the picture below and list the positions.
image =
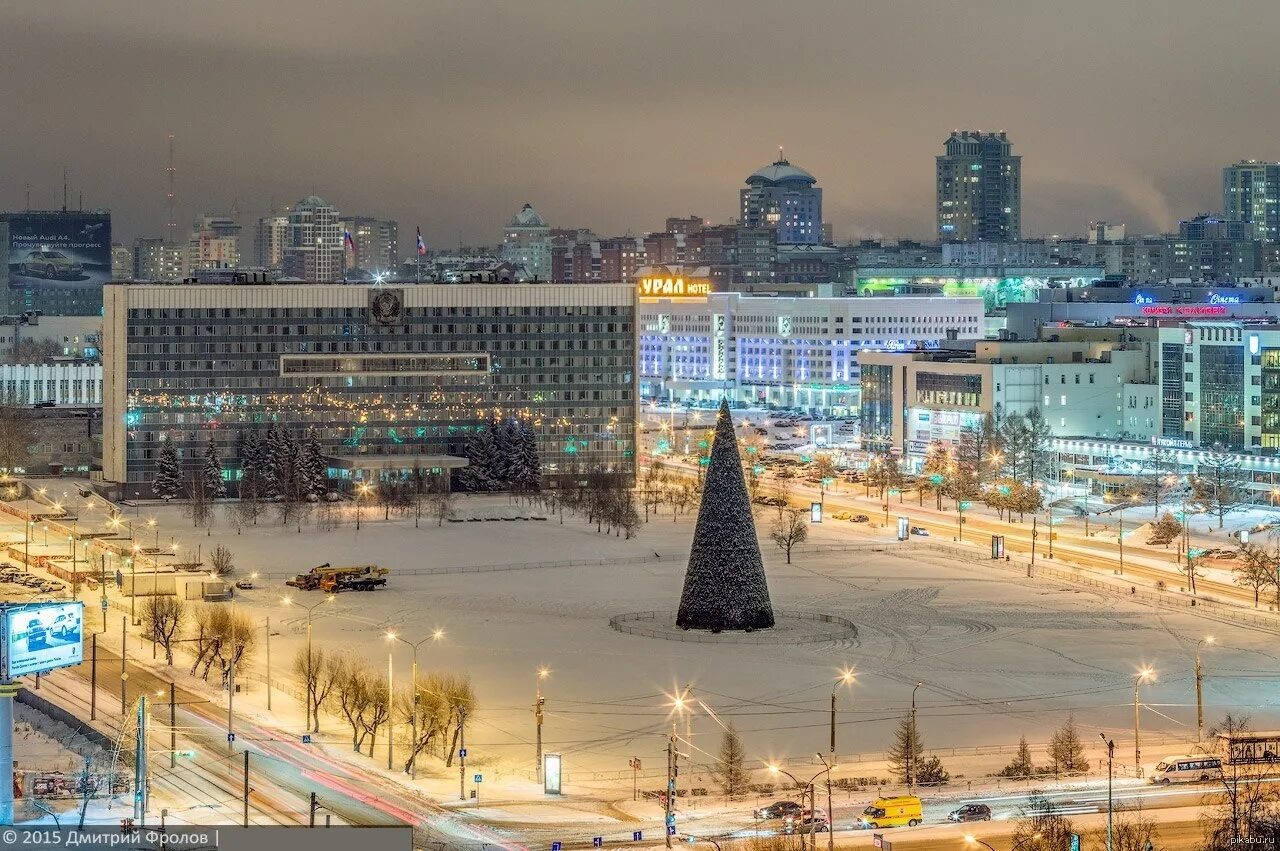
(462, 752)
(8, 691)
(93, 677)
(124, 670)
(671, 783)
(268, 663)
(246, 788)
(140, 766)
(173, 727)
(314, 805)
(231, 695)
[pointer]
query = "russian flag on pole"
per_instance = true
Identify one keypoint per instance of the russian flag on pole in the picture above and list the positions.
(422, 246)
(348, 241)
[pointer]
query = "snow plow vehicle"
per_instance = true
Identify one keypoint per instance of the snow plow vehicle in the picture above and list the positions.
(331, 580)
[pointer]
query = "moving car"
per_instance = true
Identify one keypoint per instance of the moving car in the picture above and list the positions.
(840, 515)
(245, 584)
(920, 530)
(778, 809)
(970, 812)
(803, 826)
(859, 518)
(49, 263)
(894, 811)
(1186, 769)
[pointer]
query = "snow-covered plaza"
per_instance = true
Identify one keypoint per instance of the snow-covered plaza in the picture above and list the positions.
(998, 655)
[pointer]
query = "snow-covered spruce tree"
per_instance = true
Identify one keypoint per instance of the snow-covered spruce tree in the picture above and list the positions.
(168, 480)
(214, 485)
(529, 467)
(316, 482)
(250, 466)
(506, 458)
(477, 476)
(725, 586)
(268, 448)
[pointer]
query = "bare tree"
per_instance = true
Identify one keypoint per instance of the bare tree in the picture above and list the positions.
(320, 672)
(440, 499)
(1132, 830)
(789, 530)
(163, 618)
(222, 561)
(355, 697)
(1249, 803)
(1256, 570)
(199, 505)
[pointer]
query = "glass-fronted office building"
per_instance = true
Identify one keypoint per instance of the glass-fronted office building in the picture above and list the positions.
(389, 378)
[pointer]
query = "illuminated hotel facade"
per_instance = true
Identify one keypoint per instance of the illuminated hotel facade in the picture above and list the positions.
(389, 378)
(779, 352)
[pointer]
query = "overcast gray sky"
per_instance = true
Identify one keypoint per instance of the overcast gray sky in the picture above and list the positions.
(613, 115)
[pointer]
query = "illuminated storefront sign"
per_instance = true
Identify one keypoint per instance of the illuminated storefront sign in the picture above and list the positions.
(719, 346)
(1184, 310)
(673, 288)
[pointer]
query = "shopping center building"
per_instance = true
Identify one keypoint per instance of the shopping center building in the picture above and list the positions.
(779, 352)
(390, 378)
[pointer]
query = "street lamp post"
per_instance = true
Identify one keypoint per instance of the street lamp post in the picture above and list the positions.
(1146, 674)
(846, 678)
(538, 702)
(806, 788)
(362, 490)
(436, 635)
(911, 746)
(831, 812)
(1111, 754)
(1208, 639)
(288, 601)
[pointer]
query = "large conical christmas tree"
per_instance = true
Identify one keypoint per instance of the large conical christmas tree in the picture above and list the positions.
(724, 587)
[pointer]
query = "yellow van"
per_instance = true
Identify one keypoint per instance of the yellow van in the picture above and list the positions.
(896, 811)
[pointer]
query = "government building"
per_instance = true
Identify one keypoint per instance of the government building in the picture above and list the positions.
(391, 379)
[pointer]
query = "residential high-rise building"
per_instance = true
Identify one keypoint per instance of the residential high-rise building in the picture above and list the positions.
(214, 242)
(154, 259)
(979, 188)
(121, 262)
(270, 240)
(1251, 193)
(313, 249)
(376, 244)
(527, 242)
(784, 197)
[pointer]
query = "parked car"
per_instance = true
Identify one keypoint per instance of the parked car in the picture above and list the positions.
(245, 584)
(970, 812)
(920, 530)
(778, 809)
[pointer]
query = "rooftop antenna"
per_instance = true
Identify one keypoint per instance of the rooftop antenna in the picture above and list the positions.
(64, 189)
(171, 226)
(28, 197)
(781, 158)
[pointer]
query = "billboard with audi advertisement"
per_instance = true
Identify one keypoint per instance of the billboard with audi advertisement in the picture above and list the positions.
(59, 249)
(40, 637)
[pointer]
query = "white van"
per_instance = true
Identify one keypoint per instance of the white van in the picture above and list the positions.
(1187, 769)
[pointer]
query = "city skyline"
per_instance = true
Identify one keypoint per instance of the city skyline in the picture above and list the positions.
(444, 155)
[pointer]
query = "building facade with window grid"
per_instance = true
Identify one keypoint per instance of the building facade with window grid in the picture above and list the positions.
(786, 352)
(197, 363)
